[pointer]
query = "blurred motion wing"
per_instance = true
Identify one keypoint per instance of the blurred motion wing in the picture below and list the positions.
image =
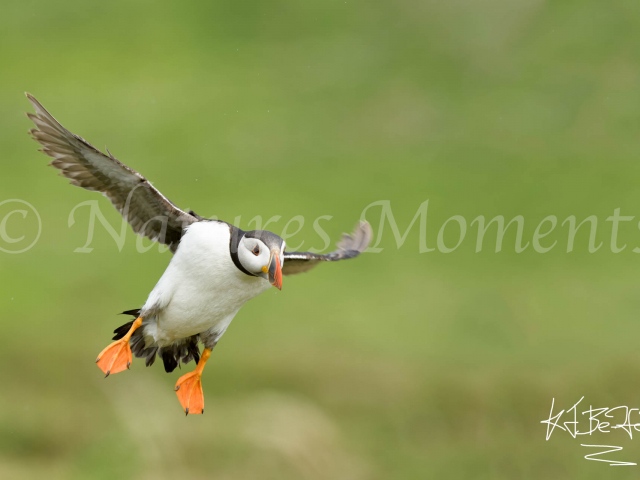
(149, 212)
(350, 246)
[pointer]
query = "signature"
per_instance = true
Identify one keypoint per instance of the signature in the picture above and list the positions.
(602, 420)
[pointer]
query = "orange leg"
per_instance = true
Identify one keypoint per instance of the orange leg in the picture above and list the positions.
(117, 356)
(189, 387)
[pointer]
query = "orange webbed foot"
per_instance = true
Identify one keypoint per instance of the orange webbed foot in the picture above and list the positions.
(117, 356)
(189, 387)
(190, 395)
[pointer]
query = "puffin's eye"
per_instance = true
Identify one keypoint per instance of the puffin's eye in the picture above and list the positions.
(256, 250)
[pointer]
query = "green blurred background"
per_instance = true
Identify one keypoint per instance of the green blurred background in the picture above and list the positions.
(396, 365)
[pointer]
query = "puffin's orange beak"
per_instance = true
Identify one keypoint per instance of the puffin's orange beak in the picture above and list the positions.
(275, 271)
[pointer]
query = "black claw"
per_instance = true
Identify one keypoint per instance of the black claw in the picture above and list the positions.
(202, 412)
(177, 388)
(128, 365)
(186, 412)
(97, 360)
(108, 372)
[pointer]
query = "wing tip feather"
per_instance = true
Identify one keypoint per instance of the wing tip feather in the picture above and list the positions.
(358, 241)
(34, 102)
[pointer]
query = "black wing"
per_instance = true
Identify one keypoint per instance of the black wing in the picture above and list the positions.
(349, 247)
(149, 212)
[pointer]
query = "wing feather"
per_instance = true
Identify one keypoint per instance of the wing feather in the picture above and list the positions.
(149, 212)
(350, 246)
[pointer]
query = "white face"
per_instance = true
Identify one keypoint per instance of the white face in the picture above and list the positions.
(258, 259)
(253, 254)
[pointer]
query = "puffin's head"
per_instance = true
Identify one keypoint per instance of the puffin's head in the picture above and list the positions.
(262, 254)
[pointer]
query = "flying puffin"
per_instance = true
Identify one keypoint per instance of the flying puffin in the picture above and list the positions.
(215, 270)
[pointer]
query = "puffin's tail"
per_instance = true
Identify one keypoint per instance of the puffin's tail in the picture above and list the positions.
(124, 329)
(172, 356)
(137, 339)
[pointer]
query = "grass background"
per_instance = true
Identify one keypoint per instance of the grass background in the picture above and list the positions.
(397, 365)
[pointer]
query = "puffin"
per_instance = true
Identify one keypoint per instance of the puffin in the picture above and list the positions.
(215, 269)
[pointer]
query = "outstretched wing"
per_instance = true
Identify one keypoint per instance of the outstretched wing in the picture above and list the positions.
(349, 247)
(149, 212)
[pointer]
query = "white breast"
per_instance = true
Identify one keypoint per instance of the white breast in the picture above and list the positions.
(201, 288)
